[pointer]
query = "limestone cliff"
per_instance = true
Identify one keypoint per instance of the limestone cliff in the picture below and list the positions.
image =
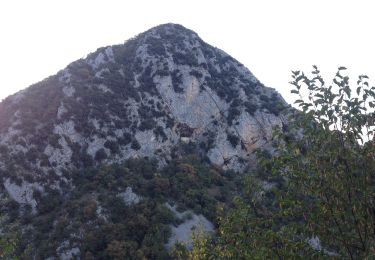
(160, 91)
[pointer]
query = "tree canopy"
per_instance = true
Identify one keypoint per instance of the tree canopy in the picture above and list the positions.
(314, 197)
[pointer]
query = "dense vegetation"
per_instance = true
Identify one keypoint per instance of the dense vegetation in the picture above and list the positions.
(315, 197)
(95, 218)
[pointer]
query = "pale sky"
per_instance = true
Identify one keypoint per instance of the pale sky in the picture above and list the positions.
(271, 38)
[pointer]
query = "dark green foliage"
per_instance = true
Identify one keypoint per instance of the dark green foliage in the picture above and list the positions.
(12, 208)
(170, 122)
(187, 148)
(86, 159)
(128, 231)
(112, 146)
(125, 139)
(250, 88)
(273, 107)
(53, 140)
(163, 73)
(196, 74)
(147, 125)
(225, 59)
(236, 102)
(159, 133)
(135, 145)
(174, 36)
(184, 130)
(147, 115)
(273, 104)
(147, 82)
(32, 113)
(222, 84)
(4, 150)
(126, 54)
(233, 113)
(155, 46)
(264, 98)
(233, 139)
(49, 202)
(177, 81)
(251, 108)
(100, 155)
(185, 58)
(209, 143)
(32, 155)
(8, 243)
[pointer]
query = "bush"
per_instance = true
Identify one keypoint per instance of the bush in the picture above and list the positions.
(155, 46)
(135, 145)
(125, 139)
(251, 108)
(233, 113)
(147, 124)
(100, 155)
(233, 139)
(196, 74)
(159, 133)
(177, 81)
(185, 58)
(112, 146)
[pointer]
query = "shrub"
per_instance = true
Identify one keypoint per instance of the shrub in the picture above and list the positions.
(112, 146)
(155, 46)
(196, 74)
(100, 155)
(233, 113)
(233, 139)
(177, 81)
(251, 108)
(135, 145)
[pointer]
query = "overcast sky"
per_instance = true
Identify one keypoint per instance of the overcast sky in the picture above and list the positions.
(271, 38)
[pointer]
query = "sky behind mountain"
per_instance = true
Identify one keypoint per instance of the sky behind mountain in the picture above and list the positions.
(271, 38)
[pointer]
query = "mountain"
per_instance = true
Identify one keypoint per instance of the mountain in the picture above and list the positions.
(157, 99)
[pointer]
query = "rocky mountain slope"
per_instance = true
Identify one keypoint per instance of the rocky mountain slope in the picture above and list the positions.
(138, 99)
(163, 94)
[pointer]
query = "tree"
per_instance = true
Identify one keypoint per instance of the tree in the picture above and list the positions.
(315, 197)
(8, 241)
(7, 248)
(121, 249)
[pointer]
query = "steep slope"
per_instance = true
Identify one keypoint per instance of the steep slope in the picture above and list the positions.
(161, 96)
(139, 99)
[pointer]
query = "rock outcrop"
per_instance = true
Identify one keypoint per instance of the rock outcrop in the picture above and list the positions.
(160, 91)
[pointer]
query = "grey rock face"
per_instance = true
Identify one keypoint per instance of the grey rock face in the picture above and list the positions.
(160, 90)
(129, 197)
(23, 194)
(184, 232)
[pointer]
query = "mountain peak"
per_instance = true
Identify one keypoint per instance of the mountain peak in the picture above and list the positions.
(169, 28)
(68, 143)
(161, 94)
